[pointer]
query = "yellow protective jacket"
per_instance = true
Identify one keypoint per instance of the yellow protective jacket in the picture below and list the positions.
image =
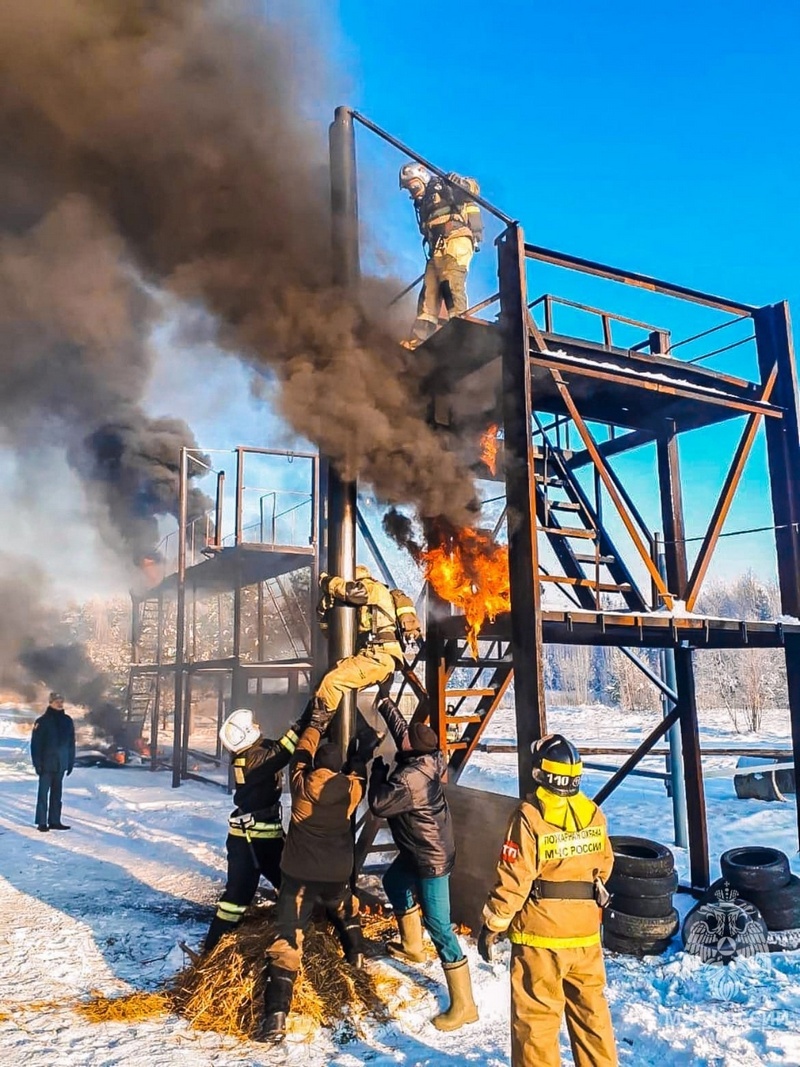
(555, 839)
(377, 617)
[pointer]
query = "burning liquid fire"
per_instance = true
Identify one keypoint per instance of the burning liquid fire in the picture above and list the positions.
(489, 448)
(470, 570)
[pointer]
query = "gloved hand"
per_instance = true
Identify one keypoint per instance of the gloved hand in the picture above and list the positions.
(324, 578)
(304, 720)
(380, 768)
(320, 717)
(486, 942)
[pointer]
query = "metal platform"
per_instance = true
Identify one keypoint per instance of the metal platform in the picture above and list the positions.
(637, 390)
(647, 630)
(243, 564)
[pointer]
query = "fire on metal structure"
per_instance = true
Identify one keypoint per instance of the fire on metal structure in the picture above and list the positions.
(469, 569)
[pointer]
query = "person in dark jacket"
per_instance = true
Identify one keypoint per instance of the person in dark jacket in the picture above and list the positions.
(53, 756)
(417, 883)
(316, 865)
(255, 833)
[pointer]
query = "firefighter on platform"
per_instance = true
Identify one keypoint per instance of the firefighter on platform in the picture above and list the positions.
(255, 833)
(385, 618)
(548, 899)
(317, 865)
(452, 230)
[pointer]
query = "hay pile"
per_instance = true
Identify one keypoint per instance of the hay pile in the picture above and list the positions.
(224, 990)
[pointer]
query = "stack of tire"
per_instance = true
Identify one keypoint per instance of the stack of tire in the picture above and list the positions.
(640, 920)
(762, 877)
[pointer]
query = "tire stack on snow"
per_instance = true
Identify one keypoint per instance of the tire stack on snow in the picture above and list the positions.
(763, 878)
(640, 920)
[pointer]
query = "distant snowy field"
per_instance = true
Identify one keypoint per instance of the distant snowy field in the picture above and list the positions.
(103, 907)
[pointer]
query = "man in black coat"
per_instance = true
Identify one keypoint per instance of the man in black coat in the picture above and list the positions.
(53, 756)
(417, 883)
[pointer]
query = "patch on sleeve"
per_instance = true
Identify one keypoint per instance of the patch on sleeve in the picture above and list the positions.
(510, 852)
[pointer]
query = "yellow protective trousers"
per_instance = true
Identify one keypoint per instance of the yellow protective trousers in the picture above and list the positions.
(445, 284)
(547, 984)
(367, 667)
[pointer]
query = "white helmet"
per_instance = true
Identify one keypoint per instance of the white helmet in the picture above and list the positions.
(239, 732)
(411, 171)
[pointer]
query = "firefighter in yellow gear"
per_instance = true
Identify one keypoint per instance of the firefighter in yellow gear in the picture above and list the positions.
(452, 230)
(384, 616)
(548, 899)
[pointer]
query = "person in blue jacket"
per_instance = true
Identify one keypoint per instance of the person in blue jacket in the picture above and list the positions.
(53, 756)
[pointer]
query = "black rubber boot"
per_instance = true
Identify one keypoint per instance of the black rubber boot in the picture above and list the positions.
(277, 1002)
(217, 929)
(352, 941)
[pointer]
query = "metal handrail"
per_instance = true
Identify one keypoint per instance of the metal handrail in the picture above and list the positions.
(484, 203)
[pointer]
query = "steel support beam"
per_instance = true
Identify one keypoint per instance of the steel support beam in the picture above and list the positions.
(610, 487)
(180, 617)
(692, 769)
(526, 617)
(725, 500)
(775, 347)
(342, 495)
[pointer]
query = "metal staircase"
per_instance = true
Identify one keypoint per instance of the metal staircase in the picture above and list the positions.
(290, 613)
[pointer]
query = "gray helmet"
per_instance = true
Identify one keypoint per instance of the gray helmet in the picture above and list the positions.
(413, 171)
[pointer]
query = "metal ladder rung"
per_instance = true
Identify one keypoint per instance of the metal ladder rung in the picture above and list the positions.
(595, 559)
(590, 583)
(563, 505)
(463, 719)
(567, 531)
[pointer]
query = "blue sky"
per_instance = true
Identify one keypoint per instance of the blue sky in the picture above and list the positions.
(662, 139)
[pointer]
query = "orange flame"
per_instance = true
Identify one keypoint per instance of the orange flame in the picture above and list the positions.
(489, 448)
(470, 571)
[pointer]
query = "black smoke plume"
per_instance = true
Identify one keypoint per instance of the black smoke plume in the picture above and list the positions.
(171, 136)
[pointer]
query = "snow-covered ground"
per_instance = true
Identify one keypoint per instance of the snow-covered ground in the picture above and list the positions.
(103, 907)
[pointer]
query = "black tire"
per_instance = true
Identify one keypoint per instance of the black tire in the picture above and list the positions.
(629, 886)
(630, 947)
(755, 868)
(638, 928)
(641, 858)
(780, 908)
(644, 907)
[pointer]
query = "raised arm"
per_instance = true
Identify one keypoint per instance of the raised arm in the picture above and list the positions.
(303, 760)
(355, 593)
(395, 722)
(273, 755)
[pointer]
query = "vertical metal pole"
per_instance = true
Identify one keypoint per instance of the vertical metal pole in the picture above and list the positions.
(239, 494)
(676, 783)
(690, 745)
(342, 495)
(218, 511)
(180, 619)
(157, 694)
(669, 481)
(773, 329)
(526, 616)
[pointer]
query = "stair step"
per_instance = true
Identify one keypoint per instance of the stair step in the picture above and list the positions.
(594, 559)
(469, 693)
(587, 583)
(563, 505)
(558, 482)
(566, 531)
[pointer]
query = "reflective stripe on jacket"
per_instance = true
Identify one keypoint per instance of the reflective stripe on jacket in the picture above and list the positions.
(556, 839)
(258, 773)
